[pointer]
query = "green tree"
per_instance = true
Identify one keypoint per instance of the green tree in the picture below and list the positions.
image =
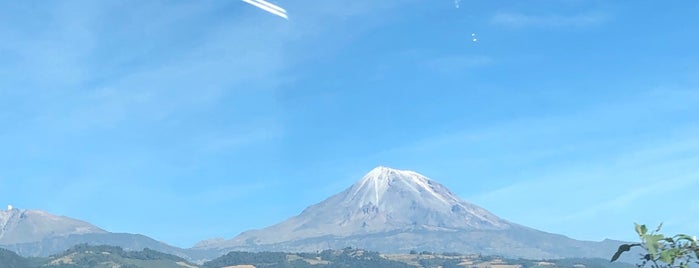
(677, 251)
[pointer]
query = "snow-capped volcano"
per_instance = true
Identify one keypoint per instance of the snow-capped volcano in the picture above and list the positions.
(390, 210)
(384, 200)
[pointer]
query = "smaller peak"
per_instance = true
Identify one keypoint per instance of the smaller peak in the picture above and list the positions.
(11, 208)
(209, 242)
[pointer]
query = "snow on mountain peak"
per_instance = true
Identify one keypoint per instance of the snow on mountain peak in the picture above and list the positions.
(390, 197)
(374, 185)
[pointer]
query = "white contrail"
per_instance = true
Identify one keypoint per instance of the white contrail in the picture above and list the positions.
(269, 7)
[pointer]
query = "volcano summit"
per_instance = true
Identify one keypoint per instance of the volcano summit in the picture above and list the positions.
(390, 210)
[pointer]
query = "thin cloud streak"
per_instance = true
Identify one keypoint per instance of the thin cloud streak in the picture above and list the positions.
(520, 20)
(574, 162)
(587, 194)
(658, 187)
(456, 64)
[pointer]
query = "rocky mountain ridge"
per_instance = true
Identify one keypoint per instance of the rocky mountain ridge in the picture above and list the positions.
(39, 233)
(25, 226)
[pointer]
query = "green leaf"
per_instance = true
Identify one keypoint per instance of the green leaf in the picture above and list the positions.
(641, 229)
(684, 237)
(623, 248)
(658, 229)
(668, 256)
(652, 244)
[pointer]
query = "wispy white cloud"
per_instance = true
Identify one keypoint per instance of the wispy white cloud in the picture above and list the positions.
(643, 188)
(83, 79)
(243, 136)
(520, 20)
(128, 82)
(572, 169)
(645, 184)
(455, 64)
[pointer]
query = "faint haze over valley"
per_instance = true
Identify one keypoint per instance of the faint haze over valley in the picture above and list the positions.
(191, 120)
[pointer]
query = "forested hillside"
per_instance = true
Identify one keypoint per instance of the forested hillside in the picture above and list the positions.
(87, 256)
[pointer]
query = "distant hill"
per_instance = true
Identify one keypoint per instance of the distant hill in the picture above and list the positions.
(57, 244)
(395, 211)
(329, 258)
(86, 256)
(9, 259)
(350, 257)
(39, 233)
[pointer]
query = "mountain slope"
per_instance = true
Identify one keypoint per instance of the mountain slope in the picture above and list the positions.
(9, 259)
(23, 226)
(382, 201)
(110, 256)
(54, 245)
(391, 210)
(39, 233)
(95, 257)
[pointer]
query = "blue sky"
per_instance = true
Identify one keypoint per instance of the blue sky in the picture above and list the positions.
(189, 120)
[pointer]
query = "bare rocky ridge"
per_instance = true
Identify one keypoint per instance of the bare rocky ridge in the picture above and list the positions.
(395, 211)
(25, 226)
(39, 233)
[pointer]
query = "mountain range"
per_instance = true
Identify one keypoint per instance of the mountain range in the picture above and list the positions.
(388, 210)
